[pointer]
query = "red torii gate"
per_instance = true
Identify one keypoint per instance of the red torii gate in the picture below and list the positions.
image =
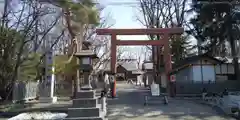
(165, 32)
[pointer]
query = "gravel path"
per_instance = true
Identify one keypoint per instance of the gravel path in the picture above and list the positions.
(129, 106)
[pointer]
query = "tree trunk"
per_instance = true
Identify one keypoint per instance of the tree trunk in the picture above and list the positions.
(235, 60)
(6, 92)
(233, 49)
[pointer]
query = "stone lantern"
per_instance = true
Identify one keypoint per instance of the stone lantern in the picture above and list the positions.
(85, 105)
(85, 67)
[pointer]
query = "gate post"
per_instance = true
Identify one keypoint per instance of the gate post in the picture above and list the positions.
(168, 64)
(113, 62)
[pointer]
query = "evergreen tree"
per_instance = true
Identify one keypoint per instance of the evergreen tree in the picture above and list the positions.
(214, 25)
(180, 48)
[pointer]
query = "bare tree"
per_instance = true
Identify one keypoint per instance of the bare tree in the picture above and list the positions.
(162, 14)
(138, 54)
(101, 44)
(18, 33)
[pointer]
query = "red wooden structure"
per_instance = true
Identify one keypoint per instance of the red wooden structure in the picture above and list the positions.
(164, 32)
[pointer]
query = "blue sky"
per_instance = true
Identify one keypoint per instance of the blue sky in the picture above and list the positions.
(123, 16)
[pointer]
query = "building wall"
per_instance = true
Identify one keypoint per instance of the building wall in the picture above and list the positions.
(198, 79)
(224, 69)
(184, 75)
(121, 71)
(196, 73)
(204, 73)
(201, 70)
(131, 76)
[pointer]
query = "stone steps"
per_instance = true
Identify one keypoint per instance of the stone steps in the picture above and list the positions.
(85, 102)
(84, 112)
(86, 94)
(86, 107)
(100, 115)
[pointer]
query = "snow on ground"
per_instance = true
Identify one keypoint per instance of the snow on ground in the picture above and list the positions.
(39, 116)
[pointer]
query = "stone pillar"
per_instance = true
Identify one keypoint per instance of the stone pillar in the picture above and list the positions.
(46, 88)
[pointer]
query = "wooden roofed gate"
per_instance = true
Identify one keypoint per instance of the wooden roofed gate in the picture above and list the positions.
(165, 34)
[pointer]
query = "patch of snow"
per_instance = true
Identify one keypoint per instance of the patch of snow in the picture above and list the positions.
(226, 59)
(39, 116)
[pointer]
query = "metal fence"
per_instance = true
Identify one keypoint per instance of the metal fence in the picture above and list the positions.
(25, 90)
(196, 88)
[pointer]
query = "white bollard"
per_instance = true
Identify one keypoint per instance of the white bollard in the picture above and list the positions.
(104, 108)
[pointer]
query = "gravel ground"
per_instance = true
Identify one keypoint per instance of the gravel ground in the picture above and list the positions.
(129, 106)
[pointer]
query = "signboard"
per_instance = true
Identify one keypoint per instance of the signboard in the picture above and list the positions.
(155, 91)
(48, 65)
(173, 78)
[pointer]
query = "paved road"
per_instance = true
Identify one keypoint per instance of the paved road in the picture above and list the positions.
(129, 106)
